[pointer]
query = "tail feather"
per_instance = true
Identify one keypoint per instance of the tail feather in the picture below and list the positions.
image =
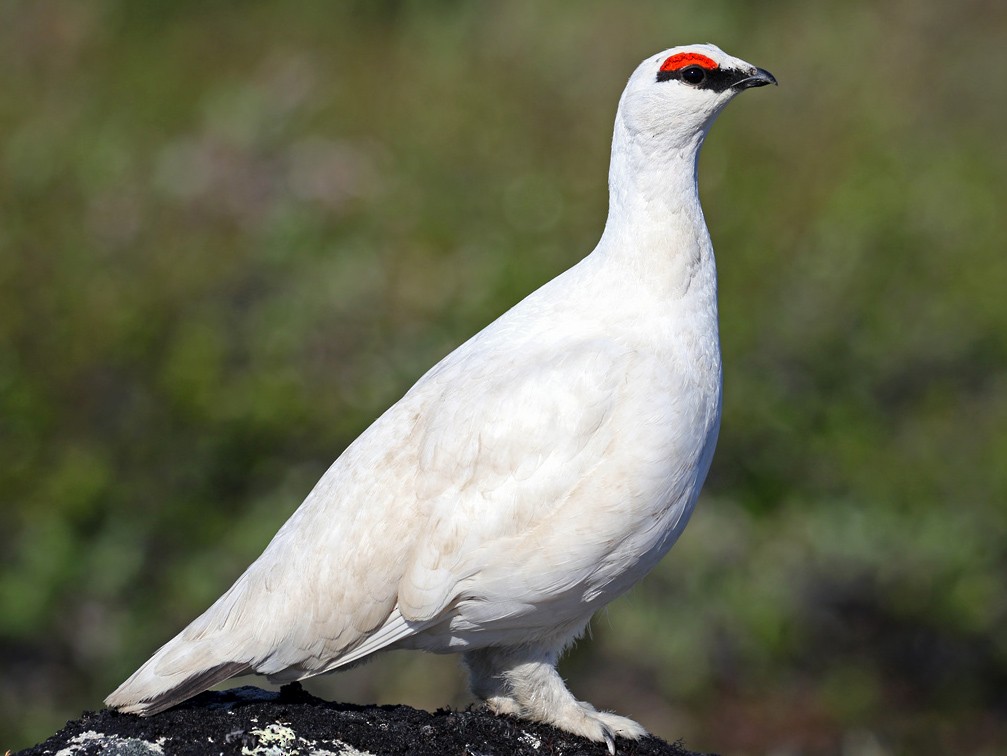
(285, 630)
(199, 657)
(150, 691)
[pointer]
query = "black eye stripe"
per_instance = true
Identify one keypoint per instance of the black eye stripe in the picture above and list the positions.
(716, 80)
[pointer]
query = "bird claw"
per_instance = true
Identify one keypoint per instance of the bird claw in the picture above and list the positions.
(609, 740)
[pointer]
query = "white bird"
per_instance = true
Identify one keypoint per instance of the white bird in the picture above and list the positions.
(530, 477)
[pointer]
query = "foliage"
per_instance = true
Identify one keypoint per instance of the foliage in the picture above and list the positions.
(233, 233)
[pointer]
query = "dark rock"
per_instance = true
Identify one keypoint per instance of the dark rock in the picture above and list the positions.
(253, 721)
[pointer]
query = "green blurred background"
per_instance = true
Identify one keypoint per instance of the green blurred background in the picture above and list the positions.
(233, 233)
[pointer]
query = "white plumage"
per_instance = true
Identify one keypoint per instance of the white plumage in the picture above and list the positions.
(530, 477)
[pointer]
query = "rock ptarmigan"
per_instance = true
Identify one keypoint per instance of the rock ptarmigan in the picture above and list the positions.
(530, 477)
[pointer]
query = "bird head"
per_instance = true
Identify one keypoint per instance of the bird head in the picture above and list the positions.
(674, 96)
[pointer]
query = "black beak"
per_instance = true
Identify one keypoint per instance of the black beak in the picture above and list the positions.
(759, 77)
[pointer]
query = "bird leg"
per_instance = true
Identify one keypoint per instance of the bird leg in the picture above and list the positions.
(523, 681)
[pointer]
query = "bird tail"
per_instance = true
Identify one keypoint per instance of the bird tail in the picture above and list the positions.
(177, 671)
(277, 630)
(196, 659)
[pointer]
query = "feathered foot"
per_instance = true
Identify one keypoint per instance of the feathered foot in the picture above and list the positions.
(523, 681)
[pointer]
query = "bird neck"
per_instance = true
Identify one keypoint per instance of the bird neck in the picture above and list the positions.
(655, 221)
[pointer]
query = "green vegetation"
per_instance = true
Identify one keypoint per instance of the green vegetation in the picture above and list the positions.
(232, 233)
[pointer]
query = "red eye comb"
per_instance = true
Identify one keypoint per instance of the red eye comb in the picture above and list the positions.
(681, 60)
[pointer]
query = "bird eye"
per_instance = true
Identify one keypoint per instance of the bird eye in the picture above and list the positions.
(693, 74)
